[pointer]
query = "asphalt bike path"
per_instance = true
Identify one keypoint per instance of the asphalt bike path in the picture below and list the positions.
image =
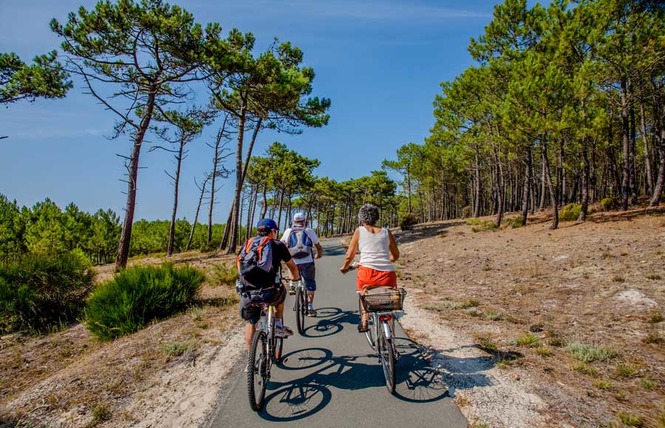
(330, 377)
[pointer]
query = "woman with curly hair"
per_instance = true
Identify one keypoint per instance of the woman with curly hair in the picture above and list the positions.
(378, 250)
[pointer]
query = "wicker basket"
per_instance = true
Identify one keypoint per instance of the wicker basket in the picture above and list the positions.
(384, 300)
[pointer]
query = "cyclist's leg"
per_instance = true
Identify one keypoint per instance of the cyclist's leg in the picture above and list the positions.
(308, 273)
(279, 311)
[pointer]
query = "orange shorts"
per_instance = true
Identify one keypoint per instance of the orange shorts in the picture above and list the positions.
(368, 277)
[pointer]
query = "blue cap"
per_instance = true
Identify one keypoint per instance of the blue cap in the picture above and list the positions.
(268, 223)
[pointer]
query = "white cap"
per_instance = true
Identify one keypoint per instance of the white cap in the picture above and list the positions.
(299, 217)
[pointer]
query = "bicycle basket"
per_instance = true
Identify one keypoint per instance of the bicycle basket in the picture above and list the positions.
(390, 300)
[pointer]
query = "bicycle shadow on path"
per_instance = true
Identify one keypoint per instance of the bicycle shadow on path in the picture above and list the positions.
(329, 321)
(416, 381)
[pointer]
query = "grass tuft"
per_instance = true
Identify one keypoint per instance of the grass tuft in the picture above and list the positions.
(590, 353)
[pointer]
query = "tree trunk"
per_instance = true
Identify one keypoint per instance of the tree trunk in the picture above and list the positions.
(585, 181)
(132, 183)
(196, 215)
(213, 189)
(233, 224)
(476, 184)
(527, 184)
(176, 186)
(647, 152)
(553, 199)
(625, 127)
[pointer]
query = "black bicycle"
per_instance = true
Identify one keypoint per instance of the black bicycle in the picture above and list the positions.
(265, 350)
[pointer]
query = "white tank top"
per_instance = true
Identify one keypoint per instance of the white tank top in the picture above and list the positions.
(374, 252)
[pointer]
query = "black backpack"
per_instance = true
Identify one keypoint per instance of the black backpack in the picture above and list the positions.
(254, 261)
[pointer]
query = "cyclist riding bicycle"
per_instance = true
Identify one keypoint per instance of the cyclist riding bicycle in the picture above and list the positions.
(301, 241)
(378, 250)
(265, 285)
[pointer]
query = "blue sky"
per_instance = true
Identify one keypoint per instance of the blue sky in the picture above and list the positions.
(379, 61)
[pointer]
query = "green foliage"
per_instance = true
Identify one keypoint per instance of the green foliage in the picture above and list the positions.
(609, 204)
(630, 420)
(529, 340)
(570, 212)
(44, 79)
(222, 274)
(589, 353)
(139, 295)
(42, 292)
(408, 221)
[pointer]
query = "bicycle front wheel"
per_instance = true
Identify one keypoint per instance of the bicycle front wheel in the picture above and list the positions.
(301, 309)
(257, 371)
(386, 350)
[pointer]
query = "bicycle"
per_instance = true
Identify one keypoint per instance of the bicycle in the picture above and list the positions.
(381, 305)
(265, 350)
(300, 304)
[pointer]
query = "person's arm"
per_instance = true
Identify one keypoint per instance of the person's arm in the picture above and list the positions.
(295, 273)
(392, 247)
(315, 240)
(350, 252)
(319, 251)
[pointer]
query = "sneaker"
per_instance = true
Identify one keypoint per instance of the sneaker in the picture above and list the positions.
(283, 331)
(292, 289)
(246, 368)
(311, 312)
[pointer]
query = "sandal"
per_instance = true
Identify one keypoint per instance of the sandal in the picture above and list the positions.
(363, 327)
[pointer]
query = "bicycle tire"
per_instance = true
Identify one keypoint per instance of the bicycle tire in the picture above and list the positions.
(257, 372)
(301, 310)
(386, 350)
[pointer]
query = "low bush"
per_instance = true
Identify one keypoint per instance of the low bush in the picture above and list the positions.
(570, 212)
(408, 221)
(222, 274)
(609, 204)
(40, 293)
(139, 295)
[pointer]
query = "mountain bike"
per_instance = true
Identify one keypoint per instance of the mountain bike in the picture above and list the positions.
(265, 350)
(300, 304)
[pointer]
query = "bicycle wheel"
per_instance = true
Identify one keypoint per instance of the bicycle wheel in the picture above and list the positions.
(369, 334)
(257, 372)
(387, 354)
(301, 309)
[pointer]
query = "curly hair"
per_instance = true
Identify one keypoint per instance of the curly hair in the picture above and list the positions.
(368, 214)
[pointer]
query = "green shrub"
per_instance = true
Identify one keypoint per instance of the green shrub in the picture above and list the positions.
(222, 274)
(42, 292)
(589, 353)
(139, 295)
(609, 204)
(408, 221)
(570, 212)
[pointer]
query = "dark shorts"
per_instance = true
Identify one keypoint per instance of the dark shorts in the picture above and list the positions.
(250, 310)
(308, 273)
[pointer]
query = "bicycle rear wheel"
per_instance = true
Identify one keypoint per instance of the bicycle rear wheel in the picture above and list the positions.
(257, 372)
(301, 309)
(386, 350)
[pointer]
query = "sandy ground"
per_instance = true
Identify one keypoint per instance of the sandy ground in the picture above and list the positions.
(494, 311)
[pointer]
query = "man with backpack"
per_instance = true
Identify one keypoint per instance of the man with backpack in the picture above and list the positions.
(301, 241)
(259, 263)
